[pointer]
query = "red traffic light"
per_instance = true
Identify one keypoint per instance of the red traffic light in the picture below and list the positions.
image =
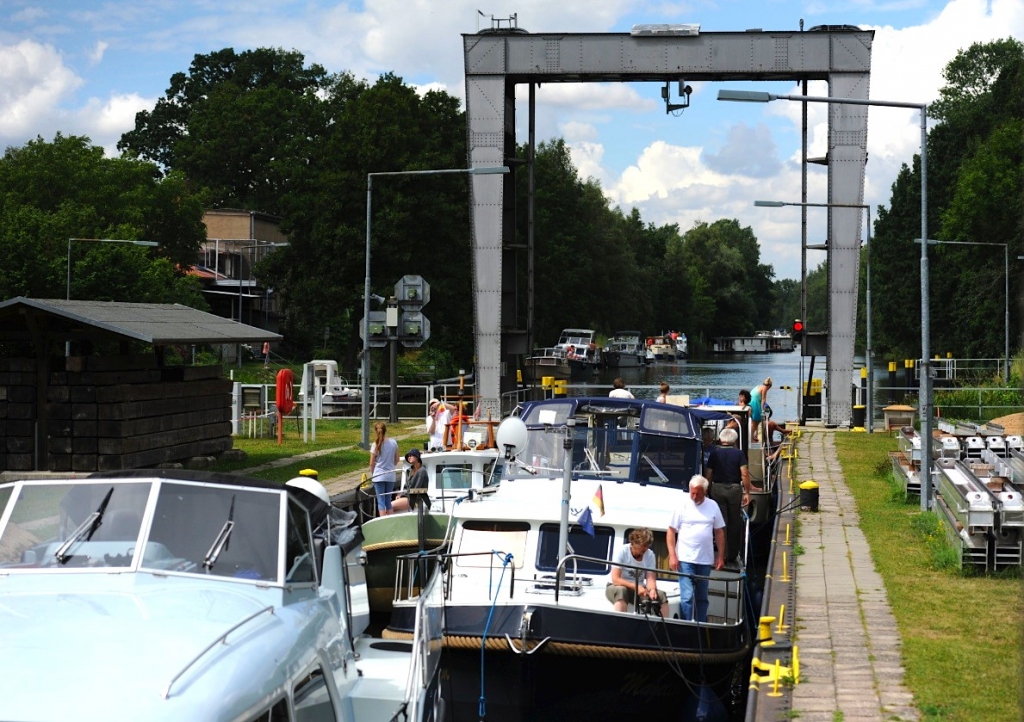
(798, 326)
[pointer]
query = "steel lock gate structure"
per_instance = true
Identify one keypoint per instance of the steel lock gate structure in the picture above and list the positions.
(497, 61)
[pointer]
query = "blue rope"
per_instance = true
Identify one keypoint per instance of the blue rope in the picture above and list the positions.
(482, 710)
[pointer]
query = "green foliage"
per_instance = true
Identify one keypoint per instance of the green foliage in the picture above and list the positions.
(975, 405)
(975, 195)
(66, 189)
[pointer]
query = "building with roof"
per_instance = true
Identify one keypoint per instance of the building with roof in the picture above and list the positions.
(85, 385)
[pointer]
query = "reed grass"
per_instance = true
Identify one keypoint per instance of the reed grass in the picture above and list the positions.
(960, 629)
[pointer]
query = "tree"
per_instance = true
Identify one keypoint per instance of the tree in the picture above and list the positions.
(238, 123)
(67, 189)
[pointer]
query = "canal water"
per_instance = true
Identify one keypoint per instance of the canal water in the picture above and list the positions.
(720, 377)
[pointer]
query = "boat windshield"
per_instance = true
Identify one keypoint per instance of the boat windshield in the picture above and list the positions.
(642, 445)
(71, 526)
(206, 529)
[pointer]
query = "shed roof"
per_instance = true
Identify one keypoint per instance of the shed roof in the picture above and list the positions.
(159, 324)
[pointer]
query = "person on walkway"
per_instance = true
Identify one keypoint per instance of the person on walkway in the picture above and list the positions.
(625, 585)
(730, 488)
(417, 479)
(663, 396)
(383, 462)
(694, 530)
(438, 416)
(619, 390)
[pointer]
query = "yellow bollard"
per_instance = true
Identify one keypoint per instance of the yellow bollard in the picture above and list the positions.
(787, 542)
(782, 616)
(765, 634)
(785, 569)
(775, 683)
(796, 666)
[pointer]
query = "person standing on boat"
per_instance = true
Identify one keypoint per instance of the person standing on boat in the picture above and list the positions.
(438, 417)
(758, 403)
(730, 488)
(694, 530)
(619, 390)
(663, 396)
(383, 462)
(417, 480)
(625, 587)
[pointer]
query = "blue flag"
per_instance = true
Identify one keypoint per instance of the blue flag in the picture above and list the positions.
(585, 522)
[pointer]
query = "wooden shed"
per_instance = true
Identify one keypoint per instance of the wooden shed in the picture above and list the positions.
(84, 386)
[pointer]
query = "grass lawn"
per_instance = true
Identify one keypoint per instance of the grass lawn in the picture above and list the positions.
(340, 434)
(961, 630)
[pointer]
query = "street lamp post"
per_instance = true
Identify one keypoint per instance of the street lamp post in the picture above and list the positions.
(365, 361)
(869, 350)
(925, 381)
(99, 240)
(1006, 292)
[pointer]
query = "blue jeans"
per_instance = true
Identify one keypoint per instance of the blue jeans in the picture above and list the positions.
(383, 491)
(693, 590)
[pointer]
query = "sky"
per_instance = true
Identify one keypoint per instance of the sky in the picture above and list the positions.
(86, 67)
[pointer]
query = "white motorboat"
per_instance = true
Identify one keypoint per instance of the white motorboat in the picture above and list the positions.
(525, 586)
(169, 595)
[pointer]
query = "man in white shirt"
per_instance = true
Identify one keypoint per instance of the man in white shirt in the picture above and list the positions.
(438, 417)
(619, 390)
(694, 530)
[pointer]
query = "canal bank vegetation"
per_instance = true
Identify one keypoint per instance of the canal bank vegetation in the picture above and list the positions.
(334, 452)
(960, 629)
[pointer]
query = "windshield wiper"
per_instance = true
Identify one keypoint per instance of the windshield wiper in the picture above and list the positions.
(220, 543)
(659, 472)
(87, 528)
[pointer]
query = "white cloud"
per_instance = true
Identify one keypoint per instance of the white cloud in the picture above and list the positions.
(33, 82)
(106, 122)
(96, 56)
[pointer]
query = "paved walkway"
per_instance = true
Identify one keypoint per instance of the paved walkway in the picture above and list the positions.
(849, 646)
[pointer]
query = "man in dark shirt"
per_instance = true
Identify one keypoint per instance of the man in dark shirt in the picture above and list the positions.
(730, 488)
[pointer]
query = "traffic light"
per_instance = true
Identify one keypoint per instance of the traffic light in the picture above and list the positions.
(798, 331)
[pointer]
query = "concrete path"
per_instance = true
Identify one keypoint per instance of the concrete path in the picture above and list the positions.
(849, 646)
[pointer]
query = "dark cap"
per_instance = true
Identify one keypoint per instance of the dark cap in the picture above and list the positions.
(413, 452)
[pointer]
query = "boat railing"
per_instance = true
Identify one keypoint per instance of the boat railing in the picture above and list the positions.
(428, 634)
(725, 585)
(410, 568)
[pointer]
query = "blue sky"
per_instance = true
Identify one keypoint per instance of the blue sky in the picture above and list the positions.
(85, 67)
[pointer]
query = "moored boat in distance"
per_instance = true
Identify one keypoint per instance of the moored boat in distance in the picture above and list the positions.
(761, 342)
(624, 350)
(660, 348)
(171, 595)
(526, 568)
(575, 357)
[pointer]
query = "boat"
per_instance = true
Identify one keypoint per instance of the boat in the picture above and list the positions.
(682, 345)
(452, 476)
(529, 633)
(776, 341)
(660, 348)
(172, 595)
(575, 357)
(330, 390)
(624, 350)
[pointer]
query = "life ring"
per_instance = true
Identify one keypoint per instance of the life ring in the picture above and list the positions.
(283, 399)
